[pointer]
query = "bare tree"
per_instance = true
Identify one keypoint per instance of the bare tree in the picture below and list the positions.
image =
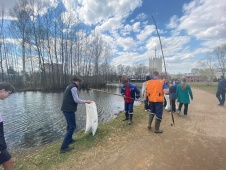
(20, 27)
(220, 53)
(207, 68)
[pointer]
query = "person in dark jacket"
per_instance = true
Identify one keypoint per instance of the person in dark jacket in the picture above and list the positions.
(5, 158)
(221, 91)
(129, 92)
(69, 107)
(144, 93)
(172, 96)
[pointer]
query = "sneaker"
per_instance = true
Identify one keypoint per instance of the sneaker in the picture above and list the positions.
(69, 148)
(185, 115)
(73, 141)
(145, 110)
(220, 104)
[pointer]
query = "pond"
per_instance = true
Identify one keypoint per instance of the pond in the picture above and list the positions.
(34, 118)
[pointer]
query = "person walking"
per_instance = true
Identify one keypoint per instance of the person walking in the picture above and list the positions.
(184, 93)
(144, 93)
(220, 94)
(129, 92)
(69, 107)
(156, 88)
(172, 96)
(5, 158)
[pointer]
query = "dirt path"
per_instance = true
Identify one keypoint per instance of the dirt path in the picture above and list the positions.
(197, 142)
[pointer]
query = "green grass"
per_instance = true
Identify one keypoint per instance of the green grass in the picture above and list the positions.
(204, 87)
(48, 156)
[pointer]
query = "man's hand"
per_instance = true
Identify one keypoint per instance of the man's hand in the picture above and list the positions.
(88, 101)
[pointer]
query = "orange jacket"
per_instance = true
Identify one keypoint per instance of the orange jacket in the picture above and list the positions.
(155, 90)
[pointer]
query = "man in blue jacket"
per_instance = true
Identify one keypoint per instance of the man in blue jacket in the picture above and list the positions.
(221, 91)
(129, 92)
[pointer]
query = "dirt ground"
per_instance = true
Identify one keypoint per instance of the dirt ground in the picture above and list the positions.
(196, 142)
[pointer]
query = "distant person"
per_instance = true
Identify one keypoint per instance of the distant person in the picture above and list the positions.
(221, 91)
(69, 107)
(130, 92)
(156, 88)
(5, 158)
(184, 93)
(165, 97)
(144, 93)
(172, 96)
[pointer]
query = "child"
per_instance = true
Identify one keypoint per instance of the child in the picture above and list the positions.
(129, 92)
(5, 158)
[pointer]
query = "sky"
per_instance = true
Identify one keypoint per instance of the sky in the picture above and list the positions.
(188, 29)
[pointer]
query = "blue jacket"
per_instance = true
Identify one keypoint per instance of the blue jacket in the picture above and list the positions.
(135, 93)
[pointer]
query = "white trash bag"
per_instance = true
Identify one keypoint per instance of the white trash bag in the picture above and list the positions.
(91, 118)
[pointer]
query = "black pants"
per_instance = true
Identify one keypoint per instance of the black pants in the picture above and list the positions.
(146, 104)
(185, 108)
(173, 105)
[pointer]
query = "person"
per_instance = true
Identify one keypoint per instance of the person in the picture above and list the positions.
(183, 92)
(166, 105)
(5, 158)
(146, 101)
(129, 92)
(220, 94)
(156, 88)
(69, 107)
(172, 96)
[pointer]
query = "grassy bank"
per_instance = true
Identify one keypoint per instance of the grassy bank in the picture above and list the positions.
(48, 156)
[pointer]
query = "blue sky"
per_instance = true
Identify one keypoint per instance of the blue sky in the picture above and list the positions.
(188, 29)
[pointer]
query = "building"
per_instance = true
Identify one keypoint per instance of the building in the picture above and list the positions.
(155, 64)
(192, 77)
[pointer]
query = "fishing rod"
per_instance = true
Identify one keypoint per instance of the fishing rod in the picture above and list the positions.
(113, 94)
(173, 123)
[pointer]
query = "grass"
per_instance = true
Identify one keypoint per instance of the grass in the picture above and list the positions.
(48, 156)
(204, 87)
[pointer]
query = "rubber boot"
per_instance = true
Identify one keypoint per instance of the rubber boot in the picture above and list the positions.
(127, 116)
(130, 119)
(157, 125)
(151, 116)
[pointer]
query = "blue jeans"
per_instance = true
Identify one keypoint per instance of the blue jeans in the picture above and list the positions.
(71, 125)
(129, 107)
(157, 108)
(220, 96)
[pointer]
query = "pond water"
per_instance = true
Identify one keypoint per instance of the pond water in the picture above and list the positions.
(34, 118)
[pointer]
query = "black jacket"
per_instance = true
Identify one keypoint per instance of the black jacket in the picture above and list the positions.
(69, 104)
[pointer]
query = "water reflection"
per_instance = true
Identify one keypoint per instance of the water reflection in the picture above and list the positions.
(34, 118)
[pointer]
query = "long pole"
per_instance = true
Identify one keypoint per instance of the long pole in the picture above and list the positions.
(163, 62)
(110, 93)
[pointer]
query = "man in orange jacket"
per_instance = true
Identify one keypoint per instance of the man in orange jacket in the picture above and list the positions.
(156, 88)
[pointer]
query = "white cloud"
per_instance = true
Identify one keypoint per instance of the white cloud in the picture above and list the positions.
(136, 27)
(173, 22)
(204, 19)
(97, 11)
(146, 32)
